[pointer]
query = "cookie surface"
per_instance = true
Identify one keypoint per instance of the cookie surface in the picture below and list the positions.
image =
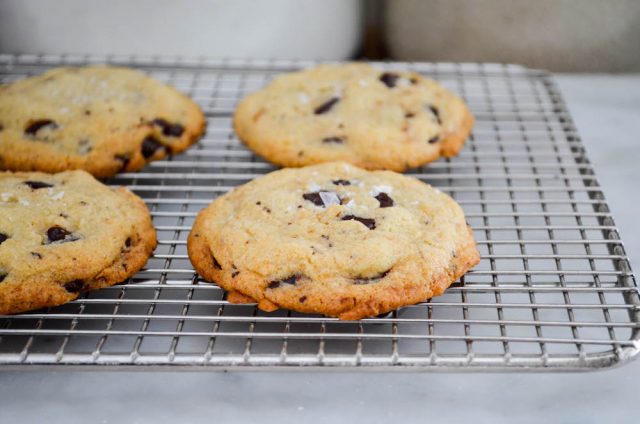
(98, 118)
(354, 113)
(332, 239)
(66, 233)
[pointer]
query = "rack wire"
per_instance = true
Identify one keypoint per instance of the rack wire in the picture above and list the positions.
(554, 289)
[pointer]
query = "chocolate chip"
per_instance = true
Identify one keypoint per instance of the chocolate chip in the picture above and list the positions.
(123, 159)
(289, 280)
(3, 237)
(35, 185)
(36, 126)
(326, 106)
(409, 115)
(389, 79)
(413, 80)
(84, 146)
(87, 112)
(333, 140)
(1, 127)
(302, 299)
(74, 286)
(322, 198)
(385, 200)
(341, 182)
(370, 223)
(169, 129)
(369, 280)
(234, 274)
(216, 264)
(2, 277)
(36, 255)
(313, 198)
(436, 113)
(434, 139)
(149, 146)
(57, 233)
(127, 242)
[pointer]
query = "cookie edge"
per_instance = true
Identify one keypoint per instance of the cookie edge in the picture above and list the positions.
(409, 293)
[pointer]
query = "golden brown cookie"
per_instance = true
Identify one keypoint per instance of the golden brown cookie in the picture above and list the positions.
(354, 113)
(66, 233)
(332, 239)
(98, 118)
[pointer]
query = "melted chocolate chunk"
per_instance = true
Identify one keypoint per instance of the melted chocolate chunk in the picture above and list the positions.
(370, 223)
(169, 129)
(35, 185)
(369, 280)
(436, 113)
(123, 159)
(333, 140)
(216, 264)
(314, 198)
(74, 286)
(2, 277)
(389, 79)
(291, 280)
(3, 237)
(36, 126)
(341, 182)
(57, 233)
(434, 139)
(149, 146)
(385, 200)
(326, 106)
(323, 198)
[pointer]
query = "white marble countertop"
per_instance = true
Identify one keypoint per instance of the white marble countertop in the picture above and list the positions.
(607, 112)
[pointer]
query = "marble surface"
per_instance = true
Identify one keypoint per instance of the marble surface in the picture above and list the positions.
(607, 112)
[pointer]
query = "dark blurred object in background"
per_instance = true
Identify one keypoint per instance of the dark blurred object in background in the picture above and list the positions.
(559, 35)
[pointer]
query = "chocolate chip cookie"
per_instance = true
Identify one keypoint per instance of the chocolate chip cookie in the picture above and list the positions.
(356, 113)
(66, 233)
(98, 118)
(332, 239)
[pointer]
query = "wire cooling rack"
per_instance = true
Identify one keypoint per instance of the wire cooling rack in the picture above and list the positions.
(554, 289)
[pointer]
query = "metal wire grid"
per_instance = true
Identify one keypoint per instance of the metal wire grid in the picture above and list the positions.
(554, 290)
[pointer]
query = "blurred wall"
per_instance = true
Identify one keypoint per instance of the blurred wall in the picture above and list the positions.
(560, 35)
(308, 29)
